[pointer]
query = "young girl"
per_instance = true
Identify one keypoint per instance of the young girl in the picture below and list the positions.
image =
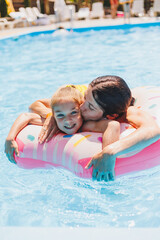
(65, 105)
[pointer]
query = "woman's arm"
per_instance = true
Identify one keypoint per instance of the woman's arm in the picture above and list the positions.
(24, 119)
(147, 132)
(109, 128)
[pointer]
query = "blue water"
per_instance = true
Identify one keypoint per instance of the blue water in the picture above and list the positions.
(33, 67)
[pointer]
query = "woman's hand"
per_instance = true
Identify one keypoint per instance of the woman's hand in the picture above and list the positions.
(10, 147)
(103, 166)
(48, 130)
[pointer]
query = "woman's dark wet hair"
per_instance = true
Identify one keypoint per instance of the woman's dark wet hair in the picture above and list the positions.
(112, 94)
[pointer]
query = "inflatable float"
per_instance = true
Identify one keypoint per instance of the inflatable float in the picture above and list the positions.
(73, 152)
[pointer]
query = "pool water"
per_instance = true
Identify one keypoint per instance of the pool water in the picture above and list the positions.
(33, 67)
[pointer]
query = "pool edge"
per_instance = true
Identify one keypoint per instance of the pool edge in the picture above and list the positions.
(125, 26)
(25, 233)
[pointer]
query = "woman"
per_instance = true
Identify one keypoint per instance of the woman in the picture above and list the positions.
(107, 97)
(110, 97)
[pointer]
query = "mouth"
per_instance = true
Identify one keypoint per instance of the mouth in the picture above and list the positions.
(70, 127)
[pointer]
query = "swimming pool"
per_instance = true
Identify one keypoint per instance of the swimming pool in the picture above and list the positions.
(33, 67)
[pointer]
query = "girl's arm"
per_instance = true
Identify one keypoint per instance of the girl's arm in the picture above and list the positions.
(147, 132)
(24, 119)
(42, 107)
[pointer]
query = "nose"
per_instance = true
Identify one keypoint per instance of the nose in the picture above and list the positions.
(68, 120)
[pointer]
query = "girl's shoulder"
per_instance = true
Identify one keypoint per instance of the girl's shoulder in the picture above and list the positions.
(81, 88)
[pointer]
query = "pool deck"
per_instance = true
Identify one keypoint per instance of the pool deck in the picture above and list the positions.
(78, 24)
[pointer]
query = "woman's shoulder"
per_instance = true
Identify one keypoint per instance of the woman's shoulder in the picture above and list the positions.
(132, 110)
(136, 92)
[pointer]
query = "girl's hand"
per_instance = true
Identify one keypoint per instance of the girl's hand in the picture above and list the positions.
(48, 130)
(10, 147)
(103, 166)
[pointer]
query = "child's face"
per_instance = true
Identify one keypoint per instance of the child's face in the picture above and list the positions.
(68, 116)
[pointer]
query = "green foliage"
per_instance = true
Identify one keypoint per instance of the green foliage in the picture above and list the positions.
(26, 3)
(81, 3)
(42, 6)
(3, 8)
(107, 3)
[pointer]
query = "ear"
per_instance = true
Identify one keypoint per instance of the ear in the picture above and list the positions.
(113, 116)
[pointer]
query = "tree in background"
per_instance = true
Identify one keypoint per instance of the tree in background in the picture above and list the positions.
(81, 3)
(107, 3)
(26, 3)
(3, 8)
(42, 3)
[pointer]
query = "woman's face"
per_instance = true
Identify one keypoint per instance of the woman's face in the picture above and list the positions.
(90, 110)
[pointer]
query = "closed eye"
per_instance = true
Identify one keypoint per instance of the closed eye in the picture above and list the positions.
(91, 107)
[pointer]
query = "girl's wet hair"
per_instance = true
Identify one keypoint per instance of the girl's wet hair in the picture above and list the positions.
(67, 92)
(112, 94)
